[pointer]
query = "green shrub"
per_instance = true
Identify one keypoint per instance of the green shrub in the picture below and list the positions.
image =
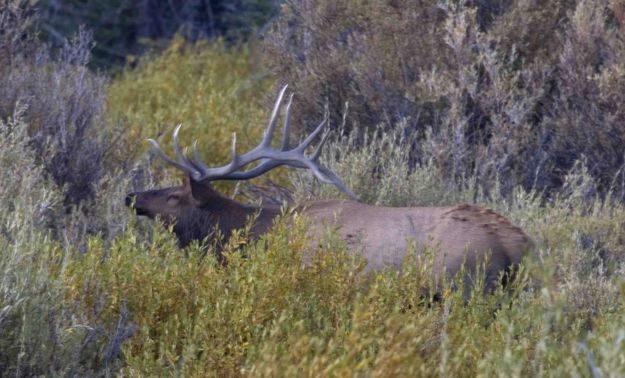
(135, 304)
(194, 317)
(41, 332)
(63, 105)
(267, 314)
(377, 166)
(210, 89)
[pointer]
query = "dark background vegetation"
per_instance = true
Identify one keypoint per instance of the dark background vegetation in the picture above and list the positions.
(124, 29)
(517, 105)
(511, 93)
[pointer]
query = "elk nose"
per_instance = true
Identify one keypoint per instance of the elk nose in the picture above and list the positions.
(130, 199)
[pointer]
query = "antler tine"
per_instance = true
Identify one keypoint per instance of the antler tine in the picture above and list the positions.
(326, 176)
(266, 142)
(234, 163)
(317, 152)
(197, 160)
(205, 170)
(336, 181)
(287, 124)
(157, 148)
(313, 135)
(182, 158)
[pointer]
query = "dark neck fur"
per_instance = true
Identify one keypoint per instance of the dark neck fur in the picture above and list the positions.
(225, 215)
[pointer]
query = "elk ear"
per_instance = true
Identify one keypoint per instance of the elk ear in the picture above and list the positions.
(201, 192)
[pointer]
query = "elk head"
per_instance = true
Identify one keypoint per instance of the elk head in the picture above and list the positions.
(170, 204)
(196, 209)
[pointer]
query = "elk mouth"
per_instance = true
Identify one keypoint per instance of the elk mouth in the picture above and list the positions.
(131, 201)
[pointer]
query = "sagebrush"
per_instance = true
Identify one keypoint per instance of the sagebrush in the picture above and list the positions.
(507, 92)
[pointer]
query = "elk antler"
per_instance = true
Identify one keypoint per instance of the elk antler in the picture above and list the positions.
(269, 157)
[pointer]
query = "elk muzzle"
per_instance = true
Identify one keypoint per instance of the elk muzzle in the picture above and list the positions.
(131, 201)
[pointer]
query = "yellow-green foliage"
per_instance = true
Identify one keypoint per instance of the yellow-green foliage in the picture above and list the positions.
(39, 332)
(267, 315)
(208, 88)
(194, 317)
(140, 306)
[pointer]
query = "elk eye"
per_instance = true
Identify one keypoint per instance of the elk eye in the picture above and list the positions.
(173, 198)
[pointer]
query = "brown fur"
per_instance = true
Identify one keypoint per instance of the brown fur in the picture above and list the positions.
(463, 234)
(197, 211)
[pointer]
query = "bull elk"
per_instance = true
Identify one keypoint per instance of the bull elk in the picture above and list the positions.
(463, 234)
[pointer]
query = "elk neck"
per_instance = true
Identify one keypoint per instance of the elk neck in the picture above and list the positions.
(217, 212)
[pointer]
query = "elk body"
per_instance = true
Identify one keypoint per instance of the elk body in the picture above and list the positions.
(463, 235)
